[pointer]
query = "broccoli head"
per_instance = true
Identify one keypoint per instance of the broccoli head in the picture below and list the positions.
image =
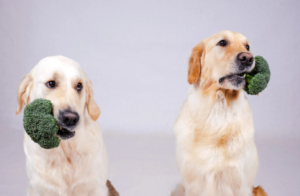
(40, 124)
(258, 79)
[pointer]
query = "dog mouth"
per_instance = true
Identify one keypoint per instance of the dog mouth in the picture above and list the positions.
(65, 134)
(236, 77)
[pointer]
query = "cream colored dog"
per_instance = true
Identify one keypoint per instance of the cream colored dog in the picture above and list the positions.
(216, 153)
(79, 166)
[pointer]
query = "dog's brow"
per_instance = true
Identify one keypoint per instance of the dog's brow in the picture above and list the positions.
(76, 81)
(55, 76)
(222, 38)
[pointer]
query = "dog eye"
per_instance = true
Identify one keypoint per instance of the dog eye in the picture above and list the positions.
(222, 43)
(247, 47)
(79, 87)
(51, 84)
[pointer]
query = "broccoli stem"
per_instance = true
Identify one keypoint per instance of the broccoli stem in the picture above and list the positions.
(248, 78)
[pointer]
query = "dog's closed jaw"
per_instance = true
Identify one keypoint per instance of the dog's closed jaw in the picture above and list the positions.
(232, 81)
(65, 134)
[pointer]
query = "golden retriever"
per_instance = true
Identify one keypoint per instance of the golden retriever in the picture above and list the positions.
(79, 165)
(216, 153)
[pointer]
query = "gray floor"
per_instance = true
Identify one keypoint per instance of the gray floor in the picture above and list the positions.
(145, 165)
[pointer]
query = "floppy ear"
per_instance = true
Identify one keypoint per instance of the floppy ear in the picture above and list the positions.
(195, 64)
(24, 92)
(92, 107)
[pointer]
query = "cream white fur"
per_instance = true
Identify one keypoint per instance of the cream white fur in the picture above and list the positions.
(209, 167)
(79, 166)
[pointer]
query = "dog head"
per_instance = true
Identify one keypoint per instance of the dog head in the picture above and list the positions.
(222, 60)
(64, 83)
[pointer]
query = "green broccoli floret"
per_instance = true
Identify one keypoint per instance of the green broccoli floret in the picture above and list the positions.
(40, 124)
(258, 79)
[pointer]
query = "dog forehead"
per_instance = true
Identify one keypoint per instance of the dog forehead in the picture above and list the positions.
(225, 35)
(57, 65)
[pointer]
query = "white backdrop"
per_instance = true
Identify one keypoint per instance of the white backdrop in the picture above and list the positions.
(136, 53)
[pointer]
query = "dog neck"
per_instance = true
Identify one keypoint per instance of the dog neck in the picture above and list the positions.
(212, 91)
(213, 109)
(209, 101)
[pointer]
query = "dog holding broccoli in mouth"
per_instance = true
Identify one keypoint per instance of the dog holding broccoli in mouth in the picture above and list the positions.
(216, 151)
(64, 146)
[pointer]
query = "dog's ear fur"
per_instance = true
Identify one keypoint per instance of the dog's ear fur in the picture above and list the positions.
(195, 63)
(92, 107)
(24, 92)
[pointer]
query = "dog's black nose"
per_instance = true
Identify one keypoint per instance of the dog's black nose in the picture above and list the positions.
(69, 118)
(246, 59)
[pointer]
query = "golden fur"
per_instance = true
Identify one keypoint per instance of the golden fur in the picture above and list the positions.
(216, 153)
(78, 166)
